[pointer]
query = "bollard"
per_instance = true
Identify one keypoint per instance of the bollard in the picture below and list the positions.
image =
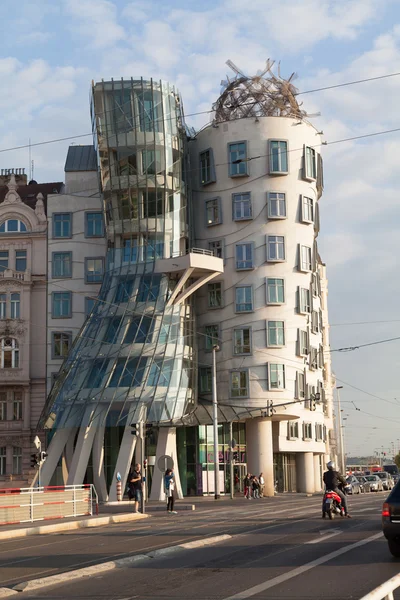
(119, 487)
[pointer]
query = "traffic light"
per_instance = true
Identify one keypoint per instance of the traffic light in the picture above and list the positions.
(35, 459)
(235, 456)
(313, 404)
(149, 430)
(145, 463)
(135, 429)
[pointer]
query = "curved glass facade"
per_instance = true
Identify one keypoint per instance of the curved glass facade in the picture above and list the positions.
(135, 350)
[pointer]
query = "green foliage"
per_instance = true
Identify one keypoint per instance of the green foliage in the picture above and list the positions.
(397, 460)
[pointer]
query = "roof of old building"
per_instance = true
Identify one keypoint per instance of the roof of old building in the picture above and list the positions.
(28, 193)
(81, 158)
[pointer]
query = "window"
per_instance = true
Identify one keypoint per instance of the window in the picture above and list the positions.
(275, 333)
(315, 284)
(3, 406)
(169, 333)
(275, 248)
(9, 353)
(293, 430)
(213, 212)
(140, 330)
(17, 407)
(276, 376)
(278, 157)
(97, 373)
(275, 291)
(131, 250)
(244, 256)
(15, 305)
(214, 295)
(3, 260)
(153, 246)
(151, 160)
(276, 205)
(307, 431)
(150, 105)
(242, 341)
(313, 359)
(128, 206)
(237, 158)
(300, 385)
(303, 342)
(128, 373)
(239, 387)
(321, 358)
(241, 206)
(3, 306)
(305, 258)
(62, 225)
(319, 433)
(3, 460)
(153, 203)
(12, 225)
(307, 210)
(112, 330)
(124, 289)
(217, 248)
(17, 460)
(20, 260)
(94, 224)
(62, 305)
(61, 344)
(62, 264)
(205, 379)
(212, 336)
(149, 288)
(315, 321)
(310, 163)
(304, 301)
(244, 299)
(89, 304)
(160, 373)
(207, 169)
(94, 270)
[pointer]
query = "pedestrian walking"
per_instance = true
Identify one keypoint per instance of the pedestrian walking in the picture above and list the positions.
(170, 492)
(135, 486)
(262, 484)
(255, 487)
(247, 486)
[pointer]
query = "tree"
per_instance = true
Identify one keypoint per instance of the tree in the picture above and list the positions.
(397, 460)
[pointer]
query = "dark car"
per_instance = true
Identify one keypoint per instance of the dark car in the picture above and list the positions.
(364, 484)
(353, 485)
(391, 520)
(387, 480)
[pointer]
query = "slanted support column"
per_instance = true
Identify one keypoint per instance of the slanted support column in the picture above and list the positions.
(180, 285)
(55, 450)
(83, 449)
(260, 457)
(305, 472)
(166, 446)
(99, 478)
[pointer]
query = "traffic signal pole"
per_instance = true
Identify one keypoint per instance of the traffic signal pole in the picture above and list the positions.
(231, 459)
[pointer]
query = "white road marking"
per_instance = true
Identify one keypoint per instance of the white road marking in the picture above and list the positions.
(365, 509)
(332, 533)
(257, 589)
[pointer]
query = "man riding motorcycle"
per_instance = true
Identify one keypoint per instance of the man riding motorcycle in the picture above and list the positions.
(332, 480)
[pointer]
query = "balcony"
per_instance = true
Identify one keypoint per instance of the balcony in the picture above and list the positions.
(12, 275)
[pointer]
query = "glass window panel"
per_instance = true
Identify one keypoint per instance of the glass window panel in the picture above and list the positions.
(61, 344)
(97, 373)
(62, 264)
(242, 206)
(276, 377)
(278, 156)
(149, 288)
(237, 159)
(20, 260)
(140, 330)
(62, 225)
(128, 373)
(242, 341)
(94, 224)
(160, 373)
(214, 295)
(94, 270)
(3, 260)
(276, 333)
(275, 290)
(239, 384)
(276, 205)
(244, 298)
(276, 247)
(62, 304)
(124, 289)
(15, 305)
(3, 306)
(212, 336)
(213, 213)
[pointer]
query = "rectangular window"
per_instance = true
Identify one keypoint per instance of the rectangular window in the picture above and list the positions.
(149, 288)
(20, 260)
(17, 410)
(3, 460)
(275, 290)
(205, 380)
(321, 358)
(300, 385)
(89, 304)
(128, 205)
(217, 247)
(131, 250)
(276, 376)
(140, 330)
(17, 460)
(307, 210)
(307, 431)
(304, 301)
(244, 298)
(239, 387)
(169, 333)
(124, 289)
(207, 169)
(318, 432)
(3, 260)
(94, 224)
(3, 407)
(15, 305)
(160, 373)
(61, 344)
(97, 373)
(213, 212)
(153, 204)
(241, 206)
(3, 306)
(128, 373)
(278, 157)
(315, 285)
(94, 270)
(244, 256)
(305, 258)
(150, 107)
(212, 336)
(112, 330)
(153, 246)
(151, 161)
(310, 163)
(242, 341)
(62, 225)
(214, 295)
(275, 333)
(313, 359)
(293, 430)
(303, 342)
(237, 158)
(62, 264)
(276, 205)
(315, 321)
(62, 305)
(275, 248)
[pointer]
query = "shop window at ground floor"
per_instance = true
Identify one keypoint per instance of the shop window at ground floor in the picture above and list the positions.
(285, 472)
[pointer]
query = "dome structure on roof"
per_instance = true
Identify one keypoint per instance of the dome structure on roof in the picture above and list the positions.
(263, 95)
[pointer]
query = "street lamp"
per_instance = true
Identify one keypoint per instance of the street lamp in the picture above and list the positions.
(341, 444)
(215, 348)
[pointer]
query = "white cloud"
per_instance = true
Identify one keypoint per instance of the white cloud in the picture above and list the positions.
(96, 21)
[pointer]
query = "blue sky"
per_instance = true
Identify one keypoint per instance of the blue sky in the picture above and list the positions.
(51, 50)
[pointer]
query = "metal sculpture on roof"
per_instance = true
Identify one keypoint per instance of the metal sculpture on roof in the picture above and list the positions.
(263, 95)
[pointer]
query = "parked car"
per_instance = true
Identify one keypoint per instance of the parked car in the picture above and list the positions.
(375, 483)
(391, 520)
(365, 485)
(353, 485)
(387, 480)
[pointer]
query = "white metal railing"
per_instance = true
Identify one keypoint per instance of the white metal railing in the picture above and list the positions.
(202, 251)
(385, 590)
(25, 505)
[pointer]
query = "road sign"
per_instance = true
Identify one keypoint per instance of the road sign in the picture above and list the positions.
(165, 462)
(37, 442)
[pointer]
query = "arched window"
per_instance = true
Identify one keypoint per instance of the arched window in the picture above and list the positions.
(12, 226)
(9, 353)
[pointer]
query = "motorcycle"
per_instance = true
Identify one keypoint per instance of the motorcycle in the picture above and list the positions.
(332, 505)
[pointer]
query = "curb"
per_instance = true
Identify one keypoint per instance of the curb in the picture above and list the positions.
(35, 584)
(70, 525)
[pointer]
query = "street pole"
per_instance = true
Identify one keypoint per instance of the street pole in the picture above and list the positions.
(215, 421)
(231, 459)
(342, 459)
(40, 463)
(141, 437)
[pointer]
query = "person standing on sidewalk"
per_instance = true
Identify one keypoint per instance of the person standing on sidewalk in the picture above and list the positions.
(135, 486)
(169, 484)
(262, 484)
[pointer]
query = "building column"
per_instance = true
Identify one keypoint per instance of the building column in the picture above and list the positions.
(260, 457)
(83, 448)
(305, 472)
(317, 473)
(166, 446)
(54, 451)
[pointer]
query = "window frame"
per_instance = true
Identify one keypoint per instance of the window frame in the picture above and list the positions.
(242, 203)
(89, 299)
(213, 283)
(15, 305)
(247, 391)
(4, 260)
(278, 329)
(244, 162)
(16, 460)
(53, 265)
(303, 307)
(303, 333)
(3, 305)
(293, 430)
(69, 315)
(267, 301)
(87, 259)
(19, 230)
(24, 258)
(301, 389)
(279, 372)
(205, 372)
(245, 268)
(270, 156)
(3, 460)
(62, 237)
(216, 199)
(68, 334)
(307, 431)
(306, 175)
(212, 175)
(241, 329)
(15, 353)
(211, 340)
(248, 286)
(278, 200)
(18, 409)
(275, 260)
(304, 219)
(93, 212)
(221, 246)
(305, 266)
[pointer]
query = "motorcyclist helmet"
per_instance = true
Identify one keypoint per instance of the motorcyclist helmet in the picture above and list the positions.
(331, 465)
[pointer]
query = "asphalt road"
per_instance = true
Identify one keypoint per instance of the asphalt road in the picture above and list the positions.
(281, 548)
